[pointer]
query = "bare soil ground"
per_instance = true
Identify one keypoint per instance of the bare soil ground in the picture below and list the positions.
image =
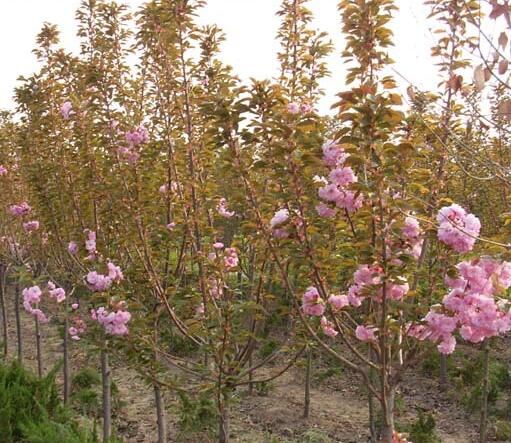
(339, 411)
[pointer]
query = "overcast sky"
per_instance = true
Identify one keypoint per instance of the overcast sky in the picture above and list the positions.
(250, 26)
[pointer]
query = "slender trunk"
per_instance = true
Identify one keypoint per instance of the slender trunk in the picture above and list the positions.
(107, 406)
(160, 415)
(370, 401)
(18, 321)
(308, 373)
(225, 406)
(66, 357)
(38, 348)
(443, 372)
(250, 374)
(484, 392)
(5, 336)
(387, 431)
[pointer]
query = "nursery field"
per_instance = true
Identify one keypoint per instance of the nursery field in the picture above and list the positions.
(189, 256)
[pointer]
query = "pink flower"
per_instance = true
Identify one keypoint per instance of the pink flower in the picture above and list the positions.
(218, 245)
(312, 303)
(305, 108)
(280, 217)
(447, 345)
(114, 323)
(230, 259)
(98, 282)
(293, 108)
(66, 110)
(137, 136)
(350, 201)
(411, 229)
(364, 333)
(458, 229)
(328, 327)
(58, 294)
(163, 189)
(74, 306)
(397, 292)
(223, 210)
(170, 226)
(20, 210)
(337, 302)
(325, 211)
(280, 233)
(343, 176)
(330, 193)
(3, 170)
(199, 311)
(31, 226)
(333, 154)
(72, 247)
(114, 273)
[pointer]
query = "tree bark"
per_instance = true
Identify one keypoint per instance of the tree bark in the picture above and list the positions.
(5, 336)
(39, 356)
(160, 415)
(65, 345)
(485, 389)
(225, 406)
(387, 431)
(443, 372)
(18, 321)
(107, 405)
(308, 374)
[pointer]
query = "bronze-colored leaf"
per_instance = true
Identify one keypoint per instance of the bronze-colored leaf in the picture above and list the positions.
(479, 78)
(503, 64)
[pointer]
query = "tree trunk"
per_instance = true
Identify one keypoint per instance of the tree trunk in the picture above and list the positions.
(160, 415)
(308, 373)
(250, 374)
(387, 431)
(225, 406)
(18, 321)
(107, 405)
(443, 372)
(5, 336)
(484, 392)
(65, 345)
(39, 356)
(370, 402)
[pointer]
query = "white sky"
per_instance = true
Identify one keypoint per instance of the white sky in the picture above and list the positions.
(250, 26)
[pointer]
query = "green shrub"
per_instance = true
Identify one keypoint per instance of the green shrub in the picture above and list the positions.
(503, 430)
(31, 411)
(197, 413)
(85, 378)
(423, 430)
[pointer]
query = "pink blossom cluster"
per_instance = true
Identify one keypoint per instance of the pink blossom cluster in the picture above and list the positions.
(79, 327)
(336, 192)
(458, 229)
(223, 209)
(280, 218)
(312, 303)
(31, 226)
(66, 110)
(114, 323)
(366, 333)
(20, 210)
(90, 244)
(470, 307)
(99, 282)
(59, 294)
(215, 288)
(3, 170)
(135, 138)
(299, 108)
(72, 247)
(363, 277)
(31, 298)
(412, 235)
(230, 259)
